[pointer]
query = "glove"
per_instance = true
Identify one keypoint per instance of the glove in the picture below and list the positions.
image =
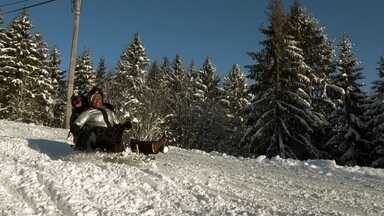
(127, 124)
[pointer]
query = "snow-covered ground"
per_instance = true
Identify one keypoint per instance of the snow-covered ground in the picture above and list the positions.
(41, 175)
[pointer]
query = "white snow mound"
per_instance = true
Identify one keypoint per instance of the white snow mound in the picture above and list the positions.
(40, 174)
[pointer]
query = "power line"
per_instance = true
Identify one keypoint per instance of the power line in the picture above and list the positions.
(29, 6)
(13, 3)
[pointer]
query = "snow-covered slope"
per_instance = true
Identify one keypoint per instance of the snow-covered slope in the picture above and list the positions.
(41, 175)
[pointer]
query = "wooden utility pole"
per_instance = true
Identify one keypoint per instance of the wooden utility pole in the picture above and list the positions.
(72, 64)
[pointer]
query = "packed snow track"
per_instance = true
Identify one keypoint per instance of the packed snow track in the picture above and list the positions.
(40, 174)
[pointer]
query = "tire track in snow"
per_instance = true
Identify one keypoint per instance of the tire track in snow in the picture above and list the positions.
(183, 198)
(9, 198)
(202, 195)
(26, 188)
(202, 187)
(48, 188)
(216, 175)
(27, 182)
(19, 180)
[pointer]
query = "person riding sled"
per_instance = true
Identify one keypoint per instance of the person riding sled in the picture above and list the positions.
(97, 127)
(79, 105)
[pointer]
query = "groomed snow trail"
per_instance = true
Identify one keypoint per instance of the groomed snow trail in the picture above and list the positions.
(41, 175)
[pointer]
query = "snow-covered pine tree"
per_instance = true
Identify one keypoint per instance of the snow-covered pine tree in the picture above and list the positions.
(133, 98)
(158, 86)
(210, 80)
(193, 71)
(207, 109)
(110, 91)
(281, 118)
(236, 101)
(157, 81)
(101, 72)
(130, 73)
(3, 87)
(85, 77)
(375, 114)
(318, 55)
(179, 104)
(161, 84)
(20, 69)
(43, 88)
(348, 144)
(59, 87)
(153, 75)
(165, 68)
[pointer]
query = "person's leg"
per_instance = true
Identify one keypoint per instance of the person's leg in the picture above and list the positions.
(109, 139)
(85, 139)
(90, 144)
(117, 144)
(102, 138)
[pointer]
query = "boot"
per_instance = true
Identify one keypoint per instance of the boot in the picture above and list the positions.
(158, 146)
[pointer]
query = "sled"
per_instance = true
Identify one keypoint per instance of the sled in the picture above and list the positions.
(149, 147)
(137, 146)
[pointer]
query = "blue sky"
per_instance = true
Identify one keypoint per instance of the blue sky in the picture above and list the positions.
(225, 30)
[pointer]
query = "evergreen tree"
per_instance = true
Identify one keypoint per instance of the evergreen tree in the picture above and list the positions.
(165, 69)
(101, 72)
(319, 56)
(208, 111)
(85, 77)
(375, 114)
(159, 81)
(193, 71)
(130, 77)
(109, 86)
(179, 105)
(133, 97)
(3, 78)
(237, 99)
(22, 70)
(158, 85)
(281, 119)
(378, 85)
(348, 144)
(210, 79)
(44, 87)
(59, 87)
(154, 75)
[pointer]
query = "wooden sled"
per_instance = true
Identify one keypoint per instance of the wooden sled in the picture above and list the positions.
(149, 147)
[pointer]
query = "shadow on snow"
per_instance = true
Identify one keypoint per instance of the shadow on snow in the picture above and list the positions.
(54, 149)
(60, 150)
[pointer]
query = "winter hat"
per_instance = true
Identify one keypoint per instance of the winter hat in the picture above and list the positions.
(95, 97)
(95, 90)
(77, 101)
